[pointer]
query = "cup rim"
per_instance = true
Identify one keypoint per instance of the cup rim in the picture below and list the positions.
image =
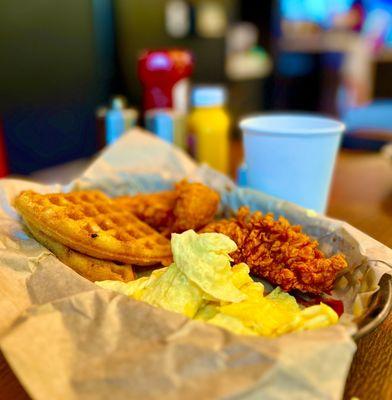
(336, 126)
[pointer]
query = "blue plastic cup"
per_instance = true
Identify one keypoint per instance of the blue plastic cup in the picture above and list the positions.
(292, 156)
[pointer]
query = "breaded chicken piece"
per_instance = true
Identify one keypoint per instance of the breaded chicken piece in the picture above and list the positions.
(188, 206)
(196, 206)
(279, 252)
(155, 209)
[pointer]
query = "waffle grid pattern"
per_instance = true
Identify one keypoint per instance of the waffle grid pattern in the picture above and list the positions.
(90, 222)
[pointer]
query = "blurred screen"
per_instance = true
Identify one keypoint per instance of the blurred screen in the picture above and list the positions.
(320, 12)
(375, 16)
(378, 21)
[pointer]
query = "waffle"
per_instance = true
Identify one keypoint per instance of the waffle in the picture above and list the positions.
(90, 268)
(91, 223)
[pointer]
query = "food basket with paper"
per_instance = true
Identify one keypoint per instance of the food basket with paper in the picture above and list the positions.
(151, 276)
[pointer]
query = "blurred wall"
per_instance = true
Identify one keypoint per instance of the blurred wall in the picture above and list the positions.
(56, 67)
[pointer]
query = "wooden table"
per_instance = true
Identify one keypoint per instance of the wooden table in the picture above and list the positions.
(361, 195)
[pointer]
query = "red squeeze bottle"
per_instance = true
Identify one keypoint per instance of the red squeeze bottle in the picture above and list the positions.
(164, 76)
(3, 158)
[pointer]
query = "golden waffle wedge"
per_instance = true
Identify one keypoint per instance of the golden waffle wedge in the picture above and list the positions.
(90, 268)
(91, 223)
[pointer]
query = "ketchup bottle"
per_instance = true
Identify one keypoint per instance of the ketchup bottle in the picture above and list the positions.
(3, 157)
(164, 75)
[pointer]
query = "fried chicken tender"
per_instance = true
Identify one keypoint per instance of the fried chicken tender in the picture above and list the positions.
(188, 206)
(155, 209)
(196, 206)
(279, 252)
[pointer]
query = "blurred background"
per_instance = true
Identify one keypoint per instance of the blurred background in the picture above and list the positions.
(61, 62)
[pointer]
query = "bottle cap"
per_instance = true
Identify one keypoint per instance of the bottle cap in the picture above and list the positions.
(118, 102)
(208, 96)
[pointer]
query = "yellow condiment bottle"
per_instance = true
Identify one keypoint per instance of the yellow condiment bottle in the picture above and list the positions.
(209, 126)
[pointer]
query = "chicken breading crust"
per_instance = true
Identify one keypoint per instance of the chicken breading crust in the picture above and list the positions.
(279, 252)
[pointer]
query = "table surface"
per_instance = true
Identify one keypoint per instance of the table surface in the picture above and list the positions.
(361, 195)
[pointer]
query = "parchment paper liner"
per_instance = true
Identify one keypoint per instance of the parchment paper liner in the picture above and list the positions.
(66, 338)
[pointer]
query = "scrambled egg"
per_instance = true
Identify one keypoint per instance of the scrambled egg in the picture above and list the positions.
(201, 284)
